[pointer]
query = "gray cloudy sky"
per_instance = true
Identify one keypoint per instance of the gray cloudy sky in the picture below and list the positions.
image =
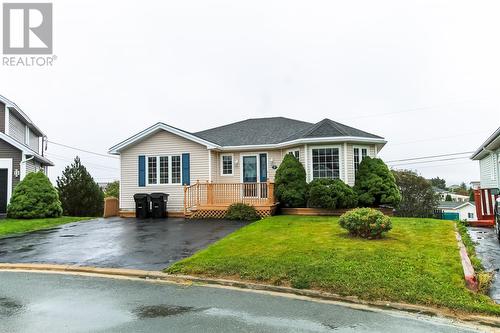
(423, 74)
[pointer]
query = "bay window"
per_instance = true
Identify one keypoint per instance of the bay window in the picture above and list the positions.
(359, 154)
(325, 163)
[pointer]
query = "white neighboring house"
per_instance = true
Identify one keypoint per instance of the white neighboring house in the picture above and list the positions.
(465, 210)
(454, 196)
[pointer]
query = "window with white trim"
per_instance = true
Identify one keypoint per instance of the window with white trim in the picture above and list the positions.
(470, 215)
(176, 169)
(359, 154)
(295, 153)
(325, 163)
(163, 170)
(227, 165)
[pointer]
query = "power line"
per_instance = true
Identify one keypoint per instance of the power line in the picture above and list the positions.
(435, 138)
(432, 156)
(441, 165)
(444, 159)
(83, 150)
(63, 158)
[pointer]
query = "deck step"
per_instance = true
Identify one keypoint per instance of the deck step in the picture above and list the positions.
(482, 223)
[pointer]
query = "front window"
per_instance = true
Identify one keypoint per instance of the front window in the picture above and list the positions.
(295, 153)
(325, 163)
(176, 169)
(359, 154)
(164, 170)
(470, 215)
(227, 165)
(152, 170)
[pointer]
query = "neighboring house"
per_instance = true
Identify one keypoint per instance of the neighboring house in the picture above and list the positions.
(463, 211)
(235, 162)
(21, 143)
(475, 184)
(454, 196)
(488, 155)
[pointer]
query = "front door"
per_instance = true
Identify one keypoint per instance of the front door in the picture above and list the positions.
(3, 190)
(249, 165)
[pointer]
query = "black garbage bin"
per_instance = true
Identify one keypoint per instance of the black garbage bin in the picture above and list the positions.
(142, 203)
(159, 205)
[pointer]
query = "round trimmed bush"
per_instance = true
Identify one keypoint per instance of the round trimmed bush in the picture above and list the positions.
(34, 197)
(331, 194)
(242, 212)
(365, 222)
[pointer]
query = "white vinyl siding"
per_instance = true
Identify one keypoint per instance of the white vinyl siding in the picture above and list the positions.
(489, 168)
(17, 129)
(34, 142)
(33, 166)
(160, 144)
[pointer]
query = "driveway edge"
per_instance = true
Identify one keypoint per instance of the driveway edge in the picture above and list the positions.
(352, 301)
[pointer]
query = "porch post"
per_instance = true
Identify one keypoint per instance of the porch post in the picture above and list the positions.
(270, 192)
(478, 202)
(210, 193)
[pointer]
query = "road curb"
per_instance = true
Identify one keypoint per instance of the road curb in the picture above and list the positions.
(311, 294)
(469, 273)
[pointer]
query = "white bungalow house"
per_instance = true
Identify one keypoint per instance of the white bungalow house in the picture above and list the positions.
(208, 170)
(455, 210)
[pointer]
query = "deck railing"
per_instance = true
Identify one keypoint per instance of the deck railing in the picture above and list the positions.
(208, 194)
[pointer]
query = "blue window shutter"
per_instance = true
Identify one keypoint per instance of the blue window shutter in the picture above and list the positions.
(186, 180)
(142, 170)
(263, 168)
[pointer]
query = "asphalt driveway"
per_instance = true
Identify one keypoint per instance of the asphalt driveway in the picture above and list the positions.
(488, 250)
(116, 242)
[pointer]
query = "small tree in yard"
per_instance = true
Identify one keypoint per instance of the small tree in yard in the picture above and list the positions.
(365, 222)
(418, 198)
(448, 198)
(375, 184)
(34, 197)
(113, 190)
(80, 195)
(290, 182)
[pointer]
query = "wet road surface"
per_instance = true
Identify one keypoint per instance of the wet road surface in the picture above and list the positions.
(488, 250)
(116, 242)
(33, 302)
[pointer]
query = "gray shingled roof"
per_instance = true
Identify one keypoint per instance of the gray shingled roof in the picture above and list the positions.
(261, 131)
(450, 204)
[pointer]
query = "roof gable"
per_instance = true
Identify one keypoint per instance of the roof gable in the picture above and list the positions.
(155, 129)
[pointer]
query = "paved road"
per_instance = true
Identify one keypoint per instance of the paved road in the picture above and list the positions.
(33, 302)
(488, 250)
(116, 242)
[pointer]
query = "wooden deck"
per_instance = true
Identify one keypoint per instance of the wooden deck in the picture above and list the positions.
(211, 200)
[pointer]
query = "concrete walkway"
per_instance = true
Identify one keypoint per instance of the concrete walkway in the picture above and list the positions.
(116, 242)
(31, 302)
(488, 250)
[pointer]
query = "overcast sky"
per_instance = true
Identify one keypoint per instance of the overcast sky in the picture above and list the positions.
(423, 74)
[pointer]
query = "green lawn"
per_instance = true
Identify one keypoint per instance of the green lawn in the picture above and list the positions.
(16, 226)
(417, 262)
